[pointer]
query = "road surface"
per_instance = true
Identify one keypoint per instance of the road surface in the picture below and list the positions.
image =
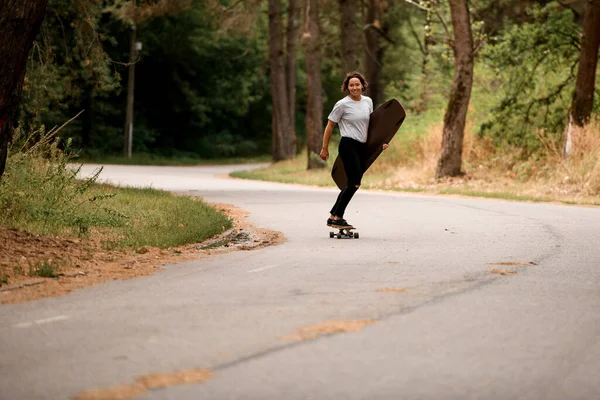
(438, 323)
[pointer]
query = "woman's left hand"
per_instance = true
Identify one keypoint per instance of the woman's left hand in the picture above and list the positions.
(385, 146)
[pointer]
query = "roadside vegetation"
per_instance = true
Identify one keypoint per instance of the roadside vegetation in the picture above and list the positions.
(40, 193)
(514, 138)
(490, 171)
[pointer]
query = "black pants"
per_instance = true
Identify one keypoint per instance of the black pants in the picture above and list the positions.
(352, 153)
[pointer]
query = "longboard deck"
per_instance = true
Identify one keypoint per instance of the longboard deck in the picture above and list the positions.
(383, 125)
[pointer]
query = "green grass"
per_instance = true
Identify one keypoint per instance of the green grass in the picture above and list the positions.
(492, 195)
(294, 171)
(44, 197)
(45, 269)
(161, 219)
(291, 171)
(153, 159)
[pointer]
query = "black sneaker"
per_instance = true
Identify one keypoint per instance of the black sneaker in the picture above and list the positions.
(341, 224)
(330, 222)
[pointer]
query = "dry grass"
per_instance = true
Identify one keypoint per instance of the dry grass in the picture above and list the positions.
(501, 172)
(495, 172)
(580, 170)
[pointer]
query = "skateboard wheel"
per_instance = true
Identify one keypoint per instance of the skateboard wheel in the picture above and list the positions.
(331, 234)
(339, 235)
(355, 235)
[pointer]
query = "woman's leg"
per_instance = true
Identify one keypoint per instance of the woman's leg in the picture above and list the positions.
(351, 152)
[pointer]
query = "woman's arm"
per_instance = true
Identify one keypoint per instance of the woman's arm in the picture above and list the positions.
(326, 136)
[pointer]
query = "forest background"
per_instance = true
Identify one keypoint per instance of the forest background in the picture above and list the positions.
(206, 85)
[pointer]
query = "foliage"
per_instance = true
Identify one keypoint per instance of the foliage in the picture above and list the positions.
(533, 67)
(202, 79)
(139, 11)
(68, 68)
(44, 269)
(207, 86)
(161, 219)
(40, 189)
(42, 192)
(194, 86)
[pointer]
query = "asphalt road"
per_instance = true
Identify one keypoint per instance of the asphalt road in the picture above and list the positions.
(457, 331)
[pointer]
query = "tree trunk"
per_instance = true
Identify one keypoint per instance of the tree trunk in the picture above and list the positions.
(314, 97)
(588, 59)
(20, 22)
(374, 51)
(284, 139)
(350, 36)
(292, 38)
(450, 161)
(583, 100)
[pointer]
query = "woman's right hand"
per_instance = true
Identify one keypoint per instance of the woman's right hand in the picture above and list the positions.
(324, 154)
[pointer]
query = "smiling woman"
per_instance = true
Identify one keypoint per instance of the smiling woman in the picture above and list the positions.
(352, 113)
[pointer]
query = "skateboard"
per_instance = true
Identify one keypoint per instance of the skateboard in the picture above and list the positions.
(345, 233)
(383, 125)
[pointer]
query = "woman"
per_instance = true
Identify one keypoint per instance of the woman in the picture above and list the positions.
(353, 114)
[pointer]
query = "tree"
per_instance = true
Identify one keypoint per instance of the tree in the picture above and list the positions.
(583, 99)
(376, 29)
(213, 96)
(314, 97)
(427, 41)
(20, 22)
(290, 68)
(450, 161)
(350, 36)
(284, 138)
(134, 14)
(534, 61)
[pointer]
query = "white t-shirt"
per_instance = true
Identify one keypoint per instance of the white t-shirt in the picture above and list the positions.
(353, 117)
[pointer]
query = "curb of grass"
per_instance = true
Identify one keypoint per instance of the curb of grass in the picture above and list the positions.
(443, 192)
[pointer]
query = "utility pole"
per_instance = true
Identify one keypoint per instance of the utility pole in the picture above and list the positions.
(134, 48)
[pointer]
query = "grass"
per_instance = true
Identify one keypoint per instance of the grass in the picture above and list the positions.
(44, 269)
(40, 193)
(501, 173)
(158, 218)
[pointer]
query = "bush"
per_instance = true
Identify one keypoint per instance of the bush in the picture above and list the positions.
(39, 190)
(532, 68)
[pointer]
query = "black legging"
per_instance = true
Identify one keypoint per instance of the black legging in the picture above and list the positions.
(352, 153)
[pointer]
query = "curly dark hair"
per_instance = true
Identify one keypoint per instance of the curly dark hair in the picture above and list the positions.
(354, 74)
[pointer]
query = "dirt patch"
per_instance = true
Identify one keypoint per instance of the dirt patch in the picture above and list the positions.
(503, 272)
(328, 328)
(391, 290)
(514, 263)
(122, 392)
(34, 266)
(154, 381)
(147, 382)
